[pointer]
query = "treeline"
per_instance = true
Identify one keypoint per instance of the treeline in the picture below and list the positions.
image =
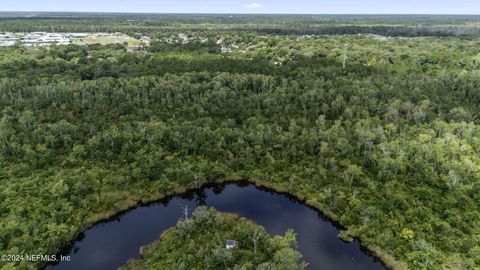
(384, 30)
(152, 24)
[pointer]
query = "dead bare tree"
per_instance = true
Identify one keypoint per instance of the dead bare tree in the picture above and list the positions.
(345, 55)
(185, 211)
(255, 237)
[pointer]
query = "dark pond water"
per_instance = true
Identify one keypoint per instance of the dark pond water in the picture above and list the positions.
(111, 244)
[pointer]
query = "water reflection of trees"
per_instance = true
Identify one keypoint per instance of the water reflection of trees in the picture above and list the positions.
(201, 197)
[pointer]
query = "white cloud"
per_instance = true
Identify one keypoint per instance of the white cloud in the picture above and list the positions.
(254, 6)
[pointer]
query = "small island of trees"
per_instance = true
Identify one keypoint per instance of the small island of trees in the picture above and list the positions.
(199, 242)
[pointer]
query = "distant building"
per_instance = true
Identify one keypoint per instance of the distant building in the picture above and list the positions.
(76, 35)
(145, 39)
(7, 43)
(7, 38)
(184, 37)
(35, 39)
(231, 244)
(32, 37)
(44, 39)
(225, 49)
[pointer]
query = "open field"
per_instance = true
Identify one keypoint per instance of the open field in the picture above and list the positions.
(105, 39)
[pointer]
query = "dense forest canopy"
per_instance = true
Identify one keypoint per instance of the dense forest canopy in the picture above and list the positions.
(387, 144)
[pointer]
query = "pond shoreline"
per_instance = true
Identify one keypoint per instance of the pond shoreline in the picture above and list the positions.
(384, 258)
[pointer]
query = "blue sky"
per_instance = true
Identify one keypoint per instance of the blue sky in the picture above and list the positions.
(250, 6)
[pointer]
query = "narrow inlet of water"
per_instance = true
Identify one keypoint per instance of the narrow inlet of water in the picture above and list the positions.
(110, 244)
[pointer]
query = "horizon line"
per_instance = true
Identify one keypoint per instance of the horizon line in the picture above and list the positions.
(233, 13)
